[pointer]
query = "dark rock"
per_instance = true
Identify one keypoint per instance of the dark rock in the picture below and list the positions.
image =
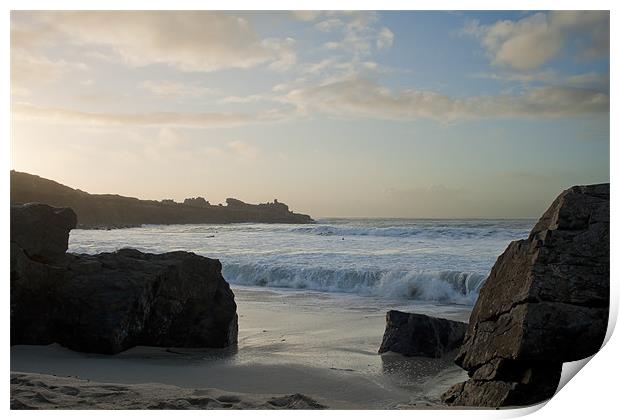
(42, 231)
(295, 401)
(196, 202)
(32, 286)
(490, 393)
(102, 211)
(421, 335)
(545, 302)
(109, 302)
(114, 301)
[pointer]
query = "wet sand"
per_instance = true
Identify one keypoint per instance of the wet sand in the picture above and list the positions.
(321, 345)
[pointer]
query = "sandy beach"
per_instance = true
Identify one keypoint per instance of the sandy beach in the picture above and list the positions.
(323, 346)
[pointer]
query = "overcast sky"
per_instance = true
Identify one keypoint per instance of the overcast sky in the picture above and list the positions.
(389, 114)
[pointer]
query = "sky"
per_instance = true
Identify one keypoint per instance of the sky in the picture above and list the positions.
(341, 114)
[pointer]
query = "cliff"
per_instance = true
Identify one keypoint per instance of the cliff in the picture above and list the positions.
(116, 211)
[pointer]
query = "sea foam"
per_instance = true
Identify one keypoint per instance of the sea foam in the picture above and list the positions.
(440, 286)
(410, 259)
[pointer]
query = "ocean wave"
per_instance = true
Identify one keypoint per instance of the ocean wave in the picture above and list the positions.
(410, 231)
(441, 286)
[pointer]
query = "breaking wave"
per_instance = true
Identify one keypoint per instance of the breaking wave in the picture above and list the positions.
(442, 286)
(409, 231)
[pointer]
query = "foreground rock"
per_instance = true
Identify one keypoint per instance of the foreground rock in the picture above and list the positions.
(31, 391)
(421, 335)
(109, 302)
(545, 302)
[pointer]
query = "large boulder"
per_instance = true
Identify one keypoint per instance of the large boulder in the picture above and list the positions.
(421, 335)
(545, 302)
(109, 302)
(42, 231)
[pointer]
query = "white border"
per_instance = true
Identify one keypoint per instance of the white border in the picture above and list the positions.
(593, 394)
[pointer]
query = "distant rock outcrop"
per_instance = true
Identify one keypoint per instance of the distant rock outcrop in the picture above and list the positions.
(545, 302)
(95, 211)
(109, 302)
(421, 335)
(196, 202)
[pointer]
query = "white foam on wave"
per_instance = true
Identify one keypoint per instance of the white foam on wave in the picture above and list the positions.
(406, 231)
(441, 286)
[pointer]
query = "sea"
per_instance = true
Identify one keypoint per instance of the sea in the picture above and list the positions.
(439, 261)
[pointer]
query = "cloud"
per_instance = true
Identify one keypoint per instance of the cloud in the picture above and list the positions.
(336, 69)
(311, 15)
(329, 25)
(287, 57)
(332, 45)
(306, 15)
(352, 99)
(360, 36)
(591, 80)
(166, 88)
(361, 98)
(385, 39)
(154, 119)
(534, 40)
(521, 77)
(245, 99)
(200, 41)
(28, 69)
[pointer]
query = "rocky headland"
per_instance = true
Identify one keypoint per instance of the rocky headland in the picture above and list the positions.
(105, 211)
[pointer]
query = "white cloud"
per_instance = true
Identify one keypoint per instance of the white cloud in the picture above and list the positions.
(355, 98)
(329, 25)
(332, 69)
(28, 70)
(385, 39)
(360, 36)
(306, 15)
(244, 99)
(332, 45)
(360, 98)
(188, 40)
(166, 88)
(155, 119)
(592, 80)
(521, 77)
(287, 56)
(534, 40)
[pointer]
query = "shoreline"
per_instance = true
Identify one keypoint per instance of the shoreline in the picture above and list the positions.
(310, 343)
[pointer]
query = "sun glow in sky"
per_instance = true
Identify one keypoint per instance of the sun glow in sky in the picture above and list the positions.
(385, 114)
